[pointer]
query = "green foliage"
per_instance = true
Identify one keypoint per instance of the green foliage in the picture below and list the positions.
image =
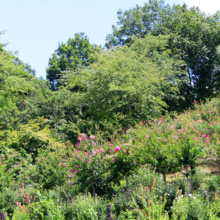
(68, 57)
(84, 208)
(45, 208)
(31, 137)
(153, 208)
(193, 35)
(125, 83)
(194, 208)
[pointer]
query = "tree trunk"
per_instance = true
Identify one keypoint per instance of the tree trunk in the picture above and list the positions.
(192, 173)
(126, 177)
(109, 212)
(164, 177)
(93, 189)
(187, 177)
(191, 183)
(3, 215)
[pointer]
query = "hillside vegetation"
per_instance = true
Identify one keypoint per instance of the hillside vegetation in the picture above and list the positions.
(135, 124)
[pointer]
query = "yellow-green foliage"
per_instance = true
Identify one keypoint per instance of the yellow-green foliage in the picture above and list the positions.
(31, 137)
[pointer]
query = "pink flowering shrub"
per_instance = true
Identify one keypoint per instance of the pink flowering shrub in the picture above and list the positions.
(123, 162)
(87, 162)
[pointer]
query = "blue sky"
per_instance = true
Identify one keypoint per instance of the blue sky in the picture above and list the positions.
(34, 27)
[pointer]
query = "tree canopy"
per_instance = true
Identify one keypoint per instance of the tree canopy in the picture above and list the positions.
(76, 52)
(130, 82)
(193, 35)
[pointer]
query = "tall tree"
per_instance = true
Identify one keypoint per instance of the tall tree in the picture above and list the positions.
(130, 82)
(68, 57)
(193, 35)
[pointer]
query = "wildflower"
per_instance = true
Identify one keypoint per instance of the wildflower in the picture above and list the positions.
(94, 153)
(83, 135)
(69, 175)
(91, 137)
(209, 112)
(146, 136)
(79, 138)
(117, 148)
(101, 150)
(72, 171)
(165, 140)
(93, 143)
(79, 157)
(124, 151)
(204, 135)
(113, 159)
(72, 184)
(216, 112)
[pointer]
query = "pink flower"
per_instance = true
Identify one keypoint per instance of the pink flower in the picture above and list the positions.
(117, 148)
(79, 138)
(204, 135)
(124, 151)
(216, 112)
(72, 184)
(69, 175)
(104, 168)
(64, 160)
(83, 135)
(79, 157)
(72, 171)
(94, 153)
(197, 132)
(76, 171)
(93, 143)
(146, 136)
(101, 150)
(165, 140)
(208, 111)
(179, 130)
(113, 159)
(91, 137)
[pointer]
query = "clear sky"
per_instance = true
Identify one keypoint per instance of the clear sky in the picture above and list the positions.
(34, 27)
